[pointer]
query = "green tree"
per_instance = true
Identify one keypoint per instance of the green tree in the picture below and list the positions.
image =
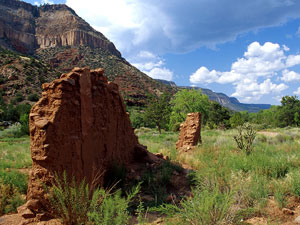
(218, 116)
(237, 120)
(187, 101)
(286, 113)
(24, 120)
(158, 111)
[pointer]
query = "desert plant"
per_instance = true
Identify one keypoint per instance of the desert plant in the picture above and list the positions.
(245, 137)
(78, 203)
(206, 207)
(110, 209)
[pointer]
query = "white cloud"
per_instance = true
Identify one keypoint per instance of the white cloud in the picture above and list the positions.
(260, 60)
(293, 60)
(152, 65)
(285, 48)
(289, 76)
(254, 91)
(297, 92)
(203, 75)
(252, 75)
(42, 2)
(161, 73)
(169, 26)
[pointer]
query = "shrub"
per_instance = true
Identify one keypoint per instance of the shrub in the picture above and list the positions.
(24, 130)
(14, 179)
(19, 97)
(245, 138)
(211, 202)
(206, 207)
(78, 203)
(33, 97)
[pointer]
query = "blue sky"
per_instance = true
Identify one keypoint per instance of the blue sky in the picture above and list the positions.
(246, 49)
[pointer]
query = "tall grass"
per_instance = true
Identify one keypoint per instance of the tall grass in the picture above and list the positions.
(14, 155)
(239, 184)
(78, 203)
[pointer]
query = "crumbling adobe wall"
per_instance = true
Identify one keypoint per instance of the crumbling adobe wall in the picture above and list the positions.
(190, 132)
(79, 126)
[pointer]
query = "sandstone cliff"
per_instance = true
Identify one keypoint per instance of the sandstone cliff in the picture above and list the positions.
(57, 37)
(26, 28)
(17, 29)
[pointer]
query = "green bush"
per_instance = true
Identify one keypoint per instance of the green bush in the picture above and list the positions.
(80, 204)
(33, 97)
(24, 130)
(19, 97)
(206, 207)
(14, 179)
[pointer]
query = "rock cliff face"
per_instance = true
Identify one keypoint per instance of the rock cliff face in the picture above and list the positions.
(27, 28)
(61, 40)
(17, 27)
(190, 132)
(79, 126)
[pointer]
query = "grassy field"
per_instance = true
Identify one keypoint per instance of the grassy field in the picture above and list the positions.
(230, 186)
(14, 160)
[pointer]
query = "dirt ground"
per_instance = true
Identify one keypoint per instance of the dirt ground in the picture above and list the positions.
(268, 133)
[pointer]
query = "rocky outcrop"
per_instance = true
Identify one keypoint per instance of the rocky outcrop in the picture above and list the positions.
(58, 25)
(17, 25)
(27, 28)
(79, 126)
(190, 132)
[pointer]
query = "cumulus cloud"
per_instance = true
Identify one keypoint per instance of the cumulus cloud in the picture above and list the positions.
(254, 91)
(152, 65)
(180, 26)
(161, 73)
(253, 75)
(203, 75)
(289, 76)
(293, 60)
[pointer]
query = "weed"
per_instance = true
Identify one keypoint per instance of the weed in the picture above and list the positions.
(280, 194)
(77, 203)
(295, 183)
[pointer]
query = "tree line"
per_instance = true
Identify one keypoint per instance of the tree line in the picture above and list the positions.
(167, 112)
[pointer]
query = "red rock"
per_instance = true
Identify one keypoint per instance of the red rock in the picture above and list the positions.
(79, 126)
(190, 132)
